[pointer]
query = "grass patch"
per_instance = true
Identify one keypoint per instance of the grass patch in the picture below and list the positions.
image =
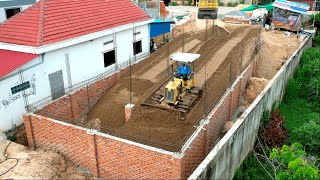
(297, 112)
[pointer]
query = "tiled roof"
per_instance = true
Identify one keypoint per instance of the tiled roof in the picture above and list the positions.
(50, 21)
(11, 60)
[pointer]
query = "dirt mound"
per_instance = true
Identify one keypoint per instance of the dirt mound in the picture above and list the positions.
(273, 132)
(275, 50)
(39, 164)
(255, 86)
(93, 124)
(227, 126)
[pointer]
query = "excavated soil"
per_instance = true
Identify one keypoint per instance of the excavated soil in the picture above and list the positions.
(255, 87)
(39, 164)
(276, 49)
(219, 64)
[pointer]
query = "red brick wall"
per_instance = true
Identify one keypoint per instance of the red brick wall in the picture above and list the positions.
(119, 160)
(72, 142)
(103, 156)
(218, 119)
(75, 105)
(194, 154)
(235, 97)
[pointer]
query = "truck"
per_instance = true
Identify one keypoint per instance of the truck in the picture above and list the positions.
(208, 9)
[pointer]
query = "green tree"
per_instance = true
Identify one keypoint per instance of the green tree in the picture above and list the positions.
(293, 164)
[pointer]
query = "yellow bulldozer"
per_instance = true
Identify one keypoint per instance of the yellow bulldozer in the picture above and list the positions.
(180, 92)
(208, 9)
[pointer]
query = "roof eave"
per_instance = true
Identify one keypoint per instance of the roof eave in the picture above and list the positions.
(70, 42)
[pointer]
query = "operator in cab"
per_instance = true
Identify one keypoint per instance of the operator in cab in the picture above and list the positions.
(184, 71)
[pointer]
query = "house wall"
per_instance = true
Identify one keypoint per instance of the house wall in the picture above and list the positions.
(3, 15)
(86, 61)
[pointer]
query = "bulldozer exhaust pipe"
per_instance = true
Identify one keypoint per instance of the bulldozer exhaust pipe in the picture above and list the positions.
(172, 74)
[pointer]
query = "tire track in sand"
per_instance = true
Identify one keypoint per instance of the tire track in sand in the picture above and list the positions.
(218, 58)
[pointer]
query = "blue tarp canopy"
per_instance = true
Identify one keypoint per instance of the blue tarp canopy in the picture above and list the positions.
(159, 27)
(297, 7)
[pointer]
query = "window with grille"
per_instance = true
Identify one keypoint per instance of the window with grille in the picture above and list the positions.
(20, 87)
(12, 12)
(109, 58)
(137, 47)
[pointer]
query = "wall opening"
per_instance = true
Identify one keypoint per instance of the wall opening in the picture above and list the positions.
(109, 58)
(137, 47)
(20, 87)
(12, 12)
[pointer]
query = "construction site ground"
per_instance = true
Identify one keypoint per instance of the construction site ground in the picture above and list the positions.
(226, 51)
(17, 162)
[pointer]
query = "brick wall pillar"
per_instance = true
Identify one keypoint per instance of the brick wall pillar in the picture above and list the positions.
(29, 131)
(240, 89)
(128, 109)
(92, 153)
(230, 105)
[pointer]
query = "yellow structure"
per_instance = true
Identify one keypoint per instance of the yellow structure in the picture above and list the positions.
(208, 9)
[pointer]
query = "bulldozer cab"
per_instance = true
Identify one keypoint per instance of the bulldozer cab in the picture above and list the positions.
(185, 68)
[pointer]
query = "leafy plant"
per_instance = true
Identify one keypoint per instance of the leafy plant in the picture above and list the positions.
(262, 2)
(316, 41)
(220, 3)
(308, 75)
(230, 4)
(309, 135)
(173, 3)
(292, 163)
(316, 17)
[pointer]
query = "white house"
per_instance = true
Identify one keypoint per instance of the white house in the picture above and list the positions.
(9, 8)
(57, 43)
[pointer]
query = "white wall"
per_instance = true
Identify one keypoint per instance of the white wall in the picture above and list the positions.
(3, 16)
(86, 61)
(12, 105)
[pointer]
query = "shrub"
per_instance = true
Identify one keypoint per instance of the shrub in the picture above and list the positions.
(308, 75)
(173, 4)
(292, 163)
(220, 3)
(232, 4)
(309, 135)
(316, 41)
(317, 18)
